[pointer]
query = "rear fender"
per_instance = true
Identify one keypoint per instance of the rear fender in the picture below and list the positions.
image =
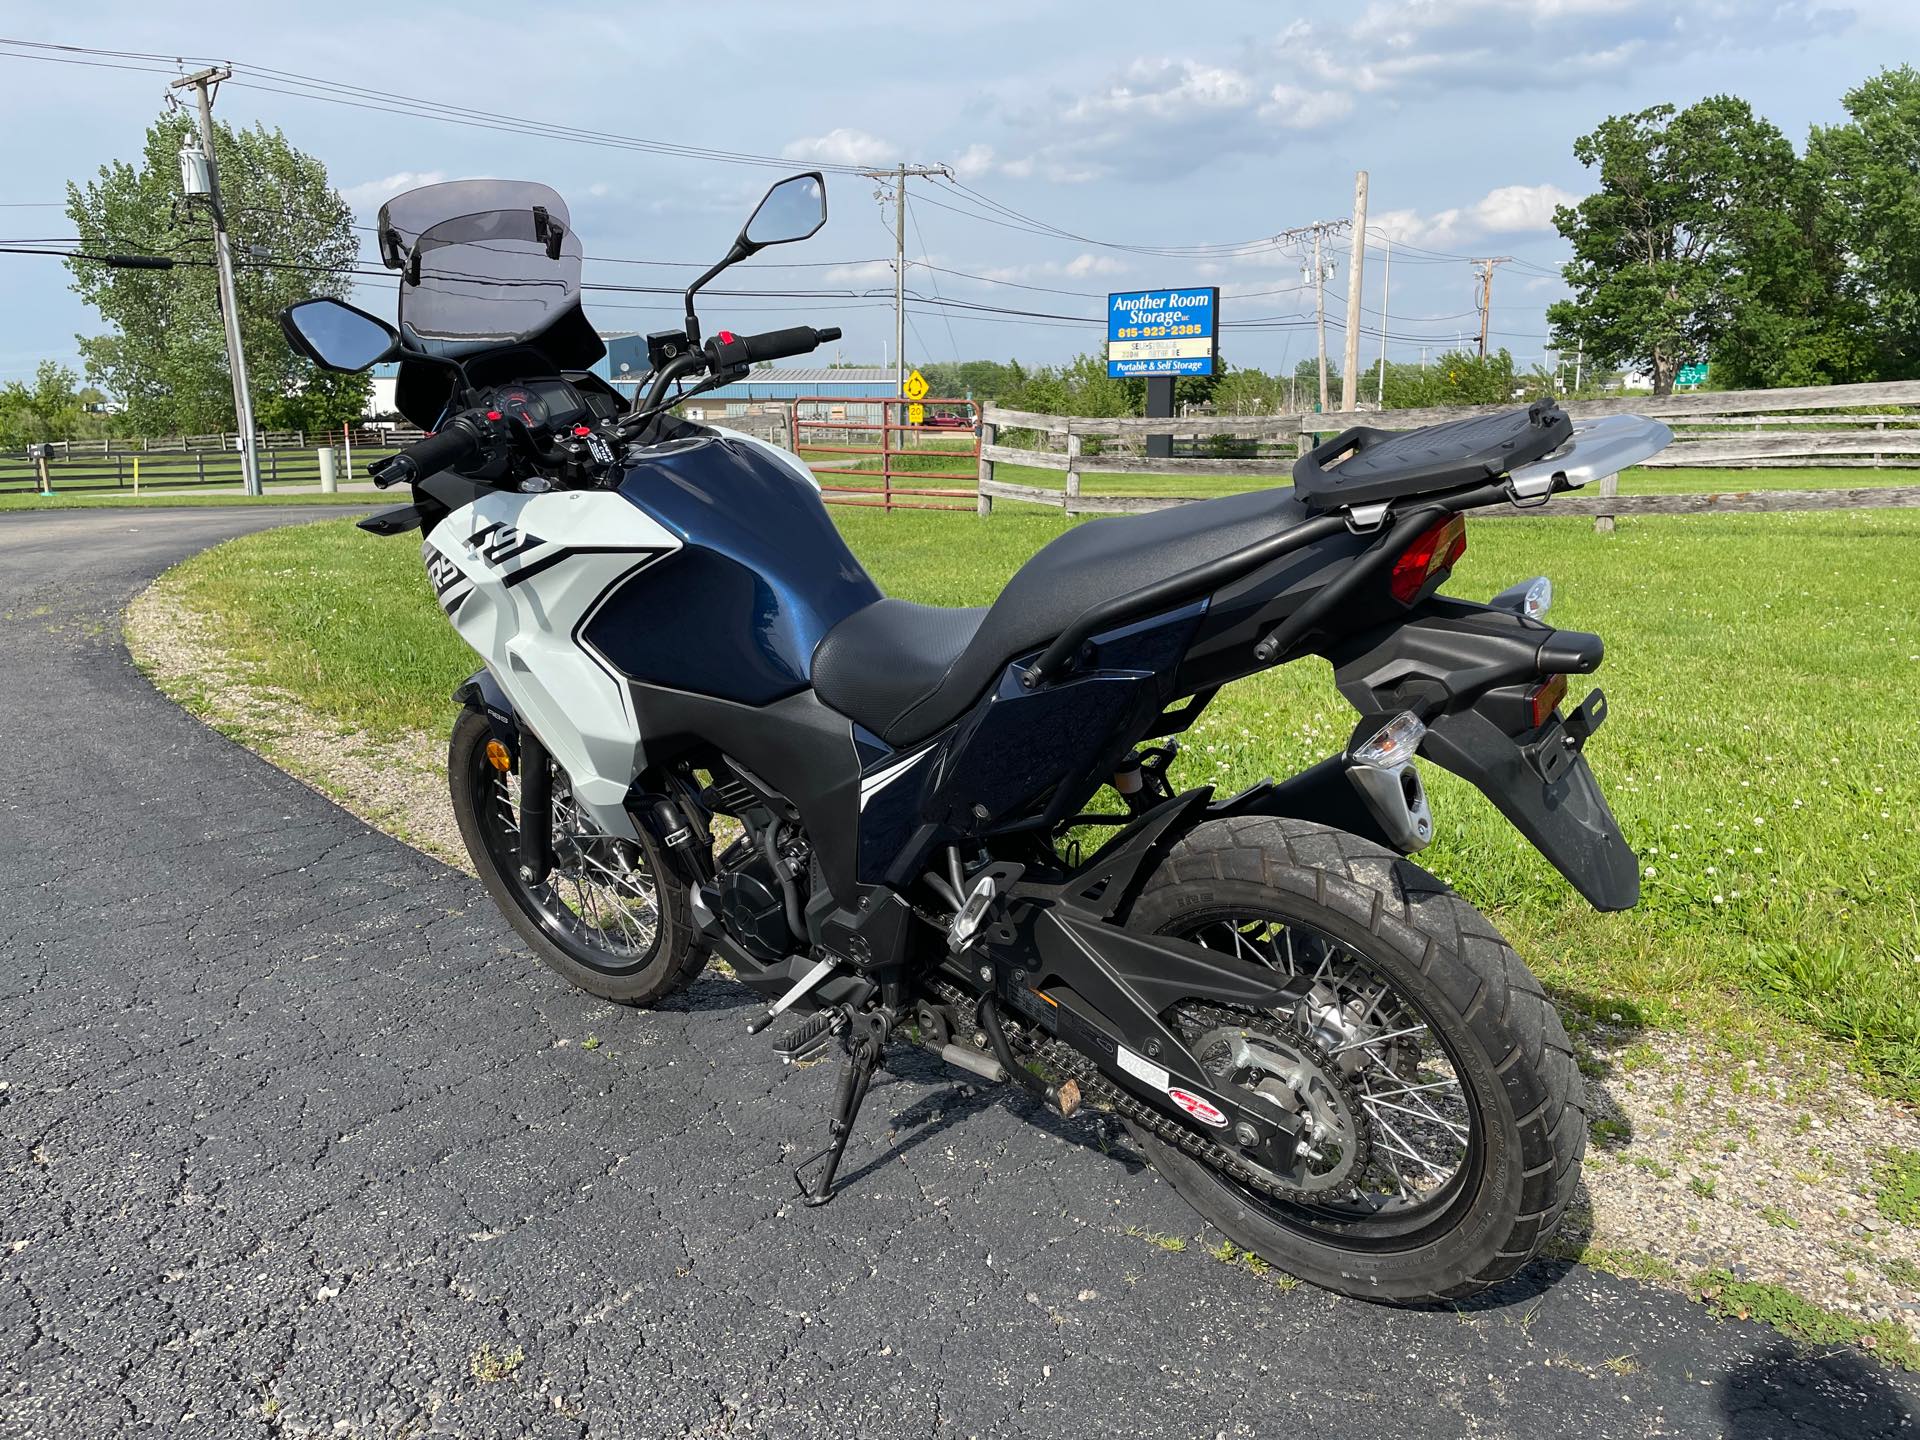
(1461, 668)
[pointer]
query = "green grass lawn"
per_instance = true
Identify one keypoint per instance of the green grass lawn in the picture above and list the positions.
(1758, 754)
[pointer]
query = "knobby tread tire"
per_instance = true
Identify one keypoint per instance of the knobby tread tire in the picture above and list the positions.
(1414, 921)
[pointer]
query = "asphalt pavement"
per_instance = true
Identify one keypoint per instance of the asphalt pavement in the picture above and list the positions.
(298, 1140)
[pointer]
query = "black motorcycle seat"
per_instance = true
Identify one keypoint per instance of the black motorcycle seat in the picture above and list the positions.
(904, 670)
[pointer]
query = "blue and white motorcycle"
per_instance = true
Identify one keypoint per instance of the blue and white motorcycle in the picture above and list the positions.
(700, 731)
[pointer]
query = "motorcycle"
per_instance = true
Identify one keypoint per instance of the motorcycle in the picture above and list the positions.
(700, 731)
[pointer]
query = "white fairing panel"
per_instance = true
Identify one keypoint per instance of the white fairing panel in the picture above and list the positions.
(517, 576)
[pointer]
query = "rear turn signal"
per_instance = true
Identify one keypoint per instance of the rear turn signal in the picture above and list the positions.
(1433, 551)
(1545, 698)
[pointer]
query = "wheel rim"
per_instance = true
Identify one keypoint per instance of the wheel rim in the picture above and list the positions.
(599, 901)
(1425, 1147)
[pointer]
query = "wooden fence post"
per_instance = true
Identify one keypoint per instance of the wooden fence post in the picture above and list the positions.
(1609, 487)
(1072, 490)
(989, 432)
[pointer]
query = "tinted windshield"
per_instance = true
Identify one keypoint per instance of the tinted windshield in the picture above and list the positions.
(478, 260)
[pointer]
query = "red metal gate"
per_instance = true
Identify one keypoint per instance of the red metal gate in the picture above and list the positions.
(878, 443)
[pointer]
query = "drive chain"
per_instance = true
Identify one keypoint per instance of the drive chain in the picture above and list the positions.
(1058, 1055)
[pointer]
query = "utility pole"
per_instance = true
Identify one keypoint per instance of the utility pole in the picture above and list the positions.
(898, 178)
(1317, 277)
(1356, 268)
(1386, 296)
(201, 81)
(1485, 301)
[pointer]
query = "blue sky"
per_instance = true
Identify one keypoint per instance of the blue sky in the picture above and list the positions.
(1203, 130)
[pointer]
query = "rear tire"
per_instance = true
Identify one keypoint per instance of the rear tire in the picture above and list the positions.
(635, 974)
(1522, 1090)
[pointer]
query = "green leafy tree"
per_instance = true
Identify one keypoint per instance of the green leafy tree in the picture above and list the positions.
(1696, 232)
(164, 355)
(1867, 173)
(53, 407)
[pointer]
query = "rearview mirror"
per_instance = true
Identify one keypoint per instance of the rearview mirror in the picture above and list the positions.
(792, 210)
(336, 336)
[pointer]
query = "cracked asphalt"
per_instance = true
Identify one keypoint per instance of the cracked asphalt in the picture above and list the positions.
(299, 1141)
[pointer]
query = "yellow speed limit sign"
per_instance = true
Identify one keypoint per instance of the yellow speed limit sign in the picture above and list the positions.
(917, 413)
(915, 388)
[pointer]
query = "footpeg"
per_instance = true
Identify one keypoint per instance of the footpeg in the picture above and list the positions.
(821, 969)
(810, 1037)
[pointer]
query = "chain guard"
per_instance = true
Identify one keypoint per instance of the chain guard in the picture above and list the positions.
(1058, 1055)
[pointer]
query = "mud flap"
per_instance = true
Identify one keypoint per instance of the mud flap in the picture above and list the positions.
(1567, 818)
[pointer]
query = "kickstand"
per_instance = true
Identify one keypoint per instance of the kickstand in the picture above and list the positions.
(854, 1080)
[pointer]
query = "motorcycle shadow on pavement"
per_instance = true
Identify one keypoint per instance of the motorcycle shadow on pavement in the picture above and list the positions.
(955, 1100)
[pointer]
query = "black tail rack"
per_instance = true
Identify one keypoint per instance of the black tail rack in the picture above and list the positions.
(1365, 466)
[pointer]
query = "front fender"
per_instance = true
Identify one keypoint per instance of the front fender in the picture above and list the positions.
(481, 692)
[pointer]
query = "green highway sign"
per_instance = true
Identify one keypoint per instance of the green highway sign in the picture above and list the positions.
(1695, 374)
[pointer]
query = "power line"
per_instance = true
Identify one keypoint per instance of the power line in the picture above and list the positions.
(917, 235)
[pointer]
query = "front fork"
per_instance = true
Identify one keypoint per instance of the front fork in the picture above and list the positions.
(536, 809)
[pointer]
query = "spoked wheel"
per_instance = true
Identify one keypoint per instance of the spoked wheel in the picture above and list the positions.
(607, 916)
(1441, 1112)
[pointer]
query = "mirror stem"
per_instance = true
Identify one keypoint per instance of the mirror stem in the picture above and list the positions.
(740, 251)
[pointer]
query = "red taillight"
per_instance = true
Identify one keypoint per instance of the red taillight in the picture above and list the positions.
(1433, 550)
(1545, 698)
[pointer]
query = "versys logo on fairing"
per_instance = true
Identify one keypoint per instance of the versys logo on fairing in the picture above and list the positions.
(499, 542)
(450, 587)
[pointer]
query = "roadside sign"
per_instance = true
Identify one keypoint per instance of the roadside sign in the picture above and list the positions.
(1163, 332)
(915, 387)
(916, 412)
(1695, 374)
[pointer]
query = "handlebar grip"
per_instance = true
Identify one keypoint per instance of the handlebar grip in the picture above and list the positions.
(726, 352)
(459, 440)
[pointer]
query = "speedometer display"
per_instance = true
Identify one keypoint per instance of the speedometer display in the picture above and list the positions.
(521, 403)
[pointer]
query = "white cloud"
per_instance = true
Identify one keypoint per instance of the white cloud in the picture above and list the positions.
(1163, 88)
(1308, 75)
(974, 161)
(842, 146)
(1513, 208)
(1298, 108)
(1504, 210)
(1093, 265)
(371, 194)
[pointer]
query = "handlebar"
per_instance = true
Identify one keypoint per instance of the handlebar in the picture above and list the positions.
(727, 351)
(461, 439)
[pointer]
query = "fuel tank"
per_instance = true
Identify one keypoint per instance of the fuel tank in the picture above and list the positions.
(762, 574)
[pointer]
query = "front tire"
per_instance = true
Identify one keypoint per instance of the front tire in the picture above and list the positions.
(1489, 1030)
(620, 928)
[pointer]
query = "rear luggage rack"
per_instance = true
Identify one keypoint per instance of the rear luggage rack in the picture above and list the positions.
(1365, 467)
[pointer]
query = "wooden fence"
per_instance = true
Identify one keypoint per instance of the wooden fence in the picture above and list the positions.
(381, 437)
(160, 470)
(1817, 427)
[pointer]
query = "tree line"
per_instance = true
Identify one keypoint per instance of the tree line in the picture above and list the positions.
(1081, 386)
(1711, 239)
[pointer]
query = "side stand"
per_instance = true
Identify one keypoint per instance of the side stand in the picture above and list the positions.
(815, 1174)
